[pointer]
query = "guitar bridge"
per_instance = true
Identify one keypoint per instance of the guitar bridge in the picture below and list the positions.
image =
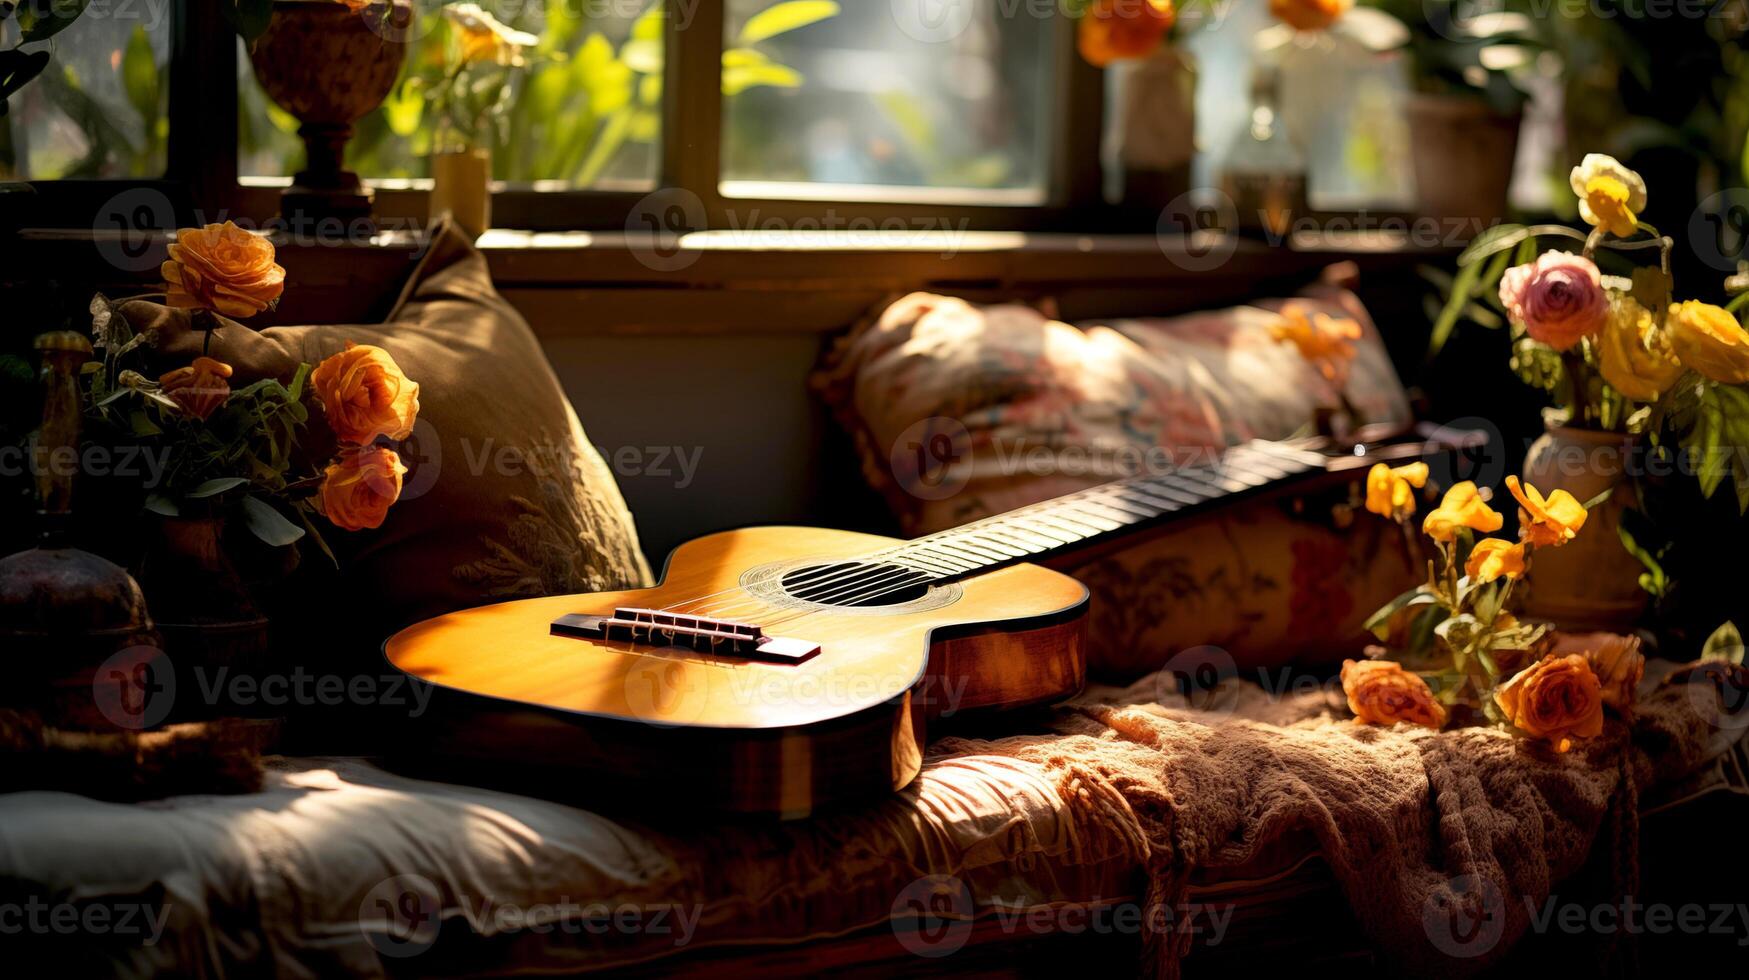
(661, 629)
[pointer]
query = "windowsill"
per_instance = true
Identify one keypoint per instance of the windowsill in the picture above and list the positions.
(569, 283)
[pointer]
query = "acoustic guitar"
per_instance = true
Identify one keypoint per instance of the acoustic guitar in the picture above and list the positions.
(783, 669)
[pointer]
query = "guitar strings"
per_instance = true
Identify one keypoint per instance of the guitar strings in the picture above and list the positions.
(862, 583)
(863, 580)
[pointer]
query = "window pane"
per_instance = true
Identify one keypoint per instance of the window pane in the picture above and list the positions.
(582, 110)
(877, 95)
(98, 109)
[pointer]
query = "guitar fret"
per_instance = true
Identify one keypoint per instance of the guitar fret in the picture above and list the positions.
(1093, 516)
(1116, 500)
(1162, 504)
(1095, 511)
(985, 539)
(1184, 497)
(1052, 537)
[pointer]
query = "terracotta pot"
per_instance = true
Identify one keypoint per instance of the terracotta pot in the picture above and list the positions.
(1463, 155)
(1591, 582)
(461, 187)
(329, 67)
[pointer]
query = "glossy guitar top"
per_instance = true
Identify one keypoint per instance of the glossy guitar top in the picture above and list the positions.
(745, 731)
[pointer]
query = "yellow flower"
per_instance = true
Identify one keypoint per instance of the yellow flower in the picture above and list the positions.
(1325, 341)
(1635, 357)
(486, 38)
(1558, 699)
(1462, 507)
(1709, 340)
(1546, 522)
(1610, 195)
(1390, 491)
(1494, 557)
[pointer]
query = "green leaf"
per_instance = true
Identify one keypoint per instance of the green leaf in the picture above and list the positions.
(139, 75)
(1495, 239)
(643, 57)
(39, 20)
(216, 486)
(1725, 644)
(1652, 579)
(157, 503)
(648, 26)
(1463, 287)
(785, 17)
(268, 524)
(17, 68)
(1378, 624)
(740, 79)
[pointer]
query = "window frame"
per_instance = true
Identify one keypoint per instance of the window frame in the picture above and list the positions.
(206, 186)
(693, 105)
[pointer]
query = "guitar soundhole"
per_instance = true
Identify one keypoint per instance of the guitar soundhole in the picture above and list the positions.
(854, 584)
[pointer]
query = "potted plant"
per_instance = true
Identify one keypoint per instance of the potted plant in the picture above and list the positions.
(1466, 108)
(1645, 386)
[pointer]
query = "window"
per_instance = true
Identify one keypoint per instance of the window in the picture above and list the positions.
(98, 109)
(855, 98)
(583, 109)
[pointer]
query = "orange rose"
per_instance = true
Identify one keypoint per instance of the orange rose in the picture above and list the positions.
(200, 388)
(1381, 692)
(1115, 30)
(1557, 698)
(364, 394)
(1616, 660)
(1309, 15)
(222, 268)
(359, 486)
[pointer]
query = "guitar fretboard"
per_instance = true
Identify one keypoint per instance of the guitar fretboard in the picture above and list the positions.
(1109, 508)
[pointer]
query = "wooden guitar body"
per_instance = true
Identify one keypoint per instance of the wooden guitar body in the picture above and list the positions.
(745, 730)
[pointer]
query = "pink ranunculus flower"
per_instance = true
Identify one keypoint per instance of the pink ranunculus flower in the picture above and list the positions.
(1559, 298)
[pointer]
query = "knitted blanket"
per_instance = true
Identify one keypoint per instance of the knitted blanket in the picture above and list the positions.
(1445, 843)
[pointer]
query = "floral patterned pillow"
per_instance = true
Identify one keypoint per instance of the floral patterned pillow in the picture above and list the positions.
(1009, 406)
(960, 411)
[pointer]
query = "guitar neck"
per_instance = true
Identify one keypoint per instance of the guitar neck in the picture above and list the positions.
(1107, 509)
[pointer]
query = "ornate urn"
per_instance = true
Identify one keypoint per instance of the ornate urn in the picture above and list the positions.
(329, 66)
